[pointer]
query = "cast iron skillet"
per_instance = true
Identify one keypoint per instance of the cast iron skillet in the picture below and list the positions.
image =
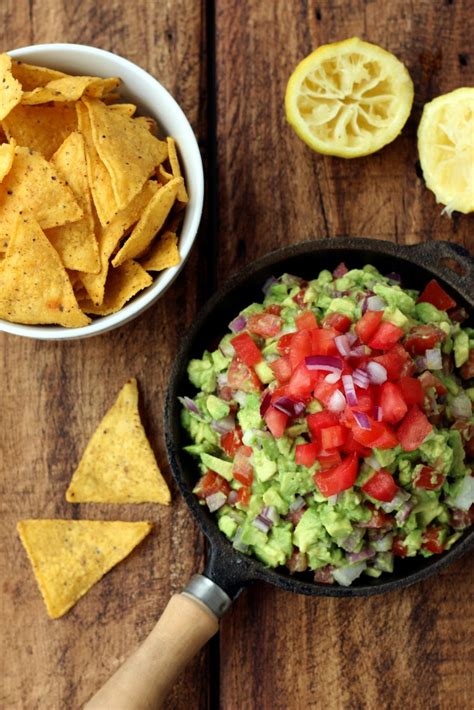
(417, 264)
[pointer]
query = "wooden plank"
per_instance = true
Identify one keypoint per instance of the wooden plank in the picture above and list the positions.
(54, 394)
(412, 648)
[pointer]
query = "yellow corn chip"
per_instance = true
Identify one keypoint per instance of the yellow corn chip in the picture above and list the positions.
(149, 123)
(121, 285)
(69, 556)
(41, 128)
(32, 185)
(76, 243)
(31, 76)
(163, 175)
(69, 88)
(163, 254)
(10, 88)
(34, 286)
(127, 149)
(7, 154)
(126, 109)
(150, 222)
(182, 195)
(118, 465)
(111, 235)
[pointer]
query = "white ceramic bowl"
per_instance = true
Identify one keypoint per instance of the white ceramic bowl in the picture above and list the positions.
(153, 100)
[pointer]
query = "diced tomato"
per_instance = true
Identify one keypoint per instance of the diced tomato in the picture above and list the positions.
(368, 324)
(432, 540)
(467, 370)
(429, 479)
(365, 400)
(393, 405)
(211, 483)
(338, 478)
(246, 349)
(276, 421)
(428, 381)
(245, 478)
(299, 298)
(396, 361)
(322, 341)
(412, 390)
(329, 460)
(379, 518)
(436, 295)
(242, 469)
(305, 454)
(386, 336)
(351, 446)
(284, 343)
(398, 548)
(267, 325)
(422, 338)
(332, 437)
(379, 436)
(301, 382)
(306, 321)
(274, 309)
(281, 368)
(323, 391)
(231, 441)
(318, 420)
(243, 495)
(300, 347)
(338, 321)
(414, 429)
(381, 486)
(323, 575)
(242, 377)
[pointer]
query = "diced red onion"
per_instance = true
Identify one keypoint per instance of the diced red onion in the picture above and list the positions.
(265, 403)
(349, 389)
(366, 554)
(240, 397)
(378, 414)
(262, 524)
(363, 307)
(324, 575)
(224, 425)
(465, 497)
(340, 270)
(237, 543)
(337, 402)
(323, 362)
(397, 501)
(461, 406)
(289, 406)
(420, 363)
(222, 380)
(358, 351)
(376, 372)
(189, 404)
(333, 377)
(352, 338)
(332, 500)
(362, 420)
(343, 345)
(268, 284)
(382, 543)
(346, 575)
(394, 277)
(361, 378)
(373, 462)
(350, 543)
(375, 303)
(297, 504)
(232, 497)
(216, 501)
(433, 359)
(270, 513)
(403, 514)
(238, 324)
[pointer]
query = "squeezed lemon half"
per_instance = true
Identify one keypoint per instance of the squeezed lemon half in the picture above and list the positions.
(349, 98)
(446, 148)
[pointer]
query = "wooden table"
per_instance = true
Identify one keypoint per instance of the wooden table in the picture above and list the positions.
(227, 63)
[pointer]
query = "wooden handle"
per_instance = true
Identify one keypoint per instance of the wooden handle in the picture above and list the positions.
(144, 680)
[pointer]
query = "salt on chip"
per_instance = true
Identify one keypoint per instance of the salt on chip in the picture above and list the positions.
(41, 128)
(69, 556)
(10, 89)
(163, 254)
(31, 76)
(76, 243)
(122, 284)
(118, 465)
(69, 88)
(176, 169)
(110, 236)
(7, 154)
(150, 222)
(127, 149)
(34, 285)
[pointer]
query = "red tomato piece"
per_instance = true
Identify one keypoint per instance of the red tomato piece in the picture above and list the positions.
(301, 382)
(211, 483)
(281, 368)
(428, 381)
(351, 446)
(379, 436)
(365, 400)
(338, 478)
(231, 441)
(266, 325)
(306, 321)
(429, 479)
(322, 342)
(323, 391)
(273, 309)
(246, 349)
(338, 321)
(318, 420)
(414, 429)
(381, 486)
(332, 437)
(412, 390)
(329, 460)
(467, 370)
(379, 518)
(276, 421)
(305, 454)
(242, 469)
(284, 343)
(368, 324)
(300, 347)
(386, 336)
(436, 295)
(299, 298)
(393, 405)
(243, 495)
(398, 548)
(242, 377)
(422, 338)
(432, 540)
(245, 478)
(396, 361)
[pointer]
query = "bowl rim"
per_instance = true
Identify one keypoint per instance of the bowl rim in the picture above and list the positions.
(193, 210)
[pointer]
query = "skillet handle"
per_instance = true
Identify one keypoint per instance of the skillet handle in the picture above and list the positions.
(189, 620)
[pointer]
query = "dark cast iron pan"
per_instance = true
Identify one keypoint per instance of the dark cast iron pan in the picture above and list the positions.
(190, 618)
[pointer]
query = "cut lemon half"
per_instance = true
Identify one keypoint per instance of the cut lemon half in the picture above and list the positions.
(446, 148)
(349, 98)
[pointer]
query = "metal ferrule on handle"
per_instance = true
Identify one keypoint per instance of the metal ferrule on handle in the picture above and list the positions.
(208, 593)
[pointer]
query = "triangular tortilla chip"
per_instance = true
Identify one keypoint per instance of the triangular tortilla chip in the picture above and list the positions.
(69, 556)
(34, 285)
(69, 88)
(111, 235)
(118, 465)
(76, 243)
(31, 76)
(41, 128)
(150, 223)
(10, 88)
(128, 150)
(7, 154)
(122, 284)
(127, 109)
(163, 254)
(176, 169)
(32, 185)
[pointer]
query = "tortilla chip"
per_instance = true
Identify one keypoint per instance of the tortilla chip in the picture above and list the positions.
(69, 88)
(76, 243)
(10, 88)
(41, 128)
(7, 154)
(118, 465)
(149, 123)
(126, 109)
(99, 179)
(150, 223)
(34, 285)
(69, 556)
(127, 149)
(163, 254)
(163, 175)
(121, 285)
(31, 76)
(182, 195)
(111, 235)
(32, 185)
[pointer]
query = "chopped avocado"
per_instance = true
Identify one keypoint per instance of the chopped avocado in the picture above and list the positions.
(461, 348)
(264, 467)
(309, 530)
(336, 524)
(385, 457)
(202, 374)
(220, 361)
(273, 497)
(251, 535)
(455, 441)
(342, 305)
(249, 415)
(223, 468)
(217, 408)
(405, 472)
(227, 525)
(413, 542)
(395, 297)
(428, 313)
(264, 372)
(436, 452)
(395, 316)
(198, 430)
(324, 553)
(198, 449)
(292, 482)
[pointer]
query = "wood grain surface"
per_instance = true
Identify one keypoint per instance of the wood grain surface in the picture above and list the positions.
(227, 66)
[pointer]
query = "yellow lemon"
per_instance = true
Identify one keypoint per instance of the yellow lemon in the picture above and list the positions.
(446, 148)
(349, 98)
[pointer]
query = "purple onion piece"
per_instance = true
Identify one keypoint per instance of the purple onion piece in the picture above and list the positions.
(420, 363)
(364, 305)
(403, 514)
(352, 338)
(362, 420)
(358, 351)
(340, 270)
(268, 284)
(237, 543)
(262, 523)
(461, 406)
(270, 513)
(382, 543)
(289, 406)
(361, 378)
(333, 377)
(366, 554)
(224, 425)
(433, 359)
(349, 389)
(265, 403)
(353, 540)
(216, 501)
(323, 362)
(232, 497)
(394, 277)
(189, 404)
(337, 402)
(238, 324)
(343, 345)
(297, 504)
(375, 303)
(376, 372)
(378, 414)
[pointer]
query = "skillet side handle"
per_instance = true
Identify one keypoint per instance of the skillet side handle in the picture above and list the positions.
(146, 677)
